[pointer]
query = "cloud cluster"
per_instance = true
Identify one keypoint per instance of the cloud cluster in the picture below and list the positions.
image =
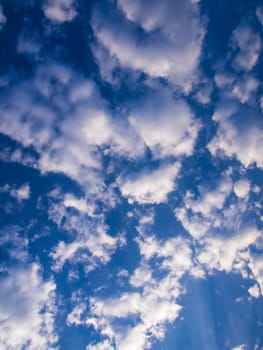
(27, 315)
(124, 145)
(172, 38)
(239, 135)
(237, 115)
(28, 312)
(91, 244)
(152, 299)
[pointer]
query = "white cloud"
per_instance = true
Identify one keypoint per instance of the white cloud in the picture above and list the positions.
(71, 140)
(239, 134)
(166, 125)
(78, 203)
(254, 291)
(76, 315)
(27, 309)
(152, 299)
(242, 188)
(195, 225)
(2, 18)
(152, 310)
(60, 10)
(90, 244)
(239, 347)
(20, 193)
(28, 302)
(204, 213)
(211, 200)
(249, 45)
(133, 319)
(243, 89)
(256, 266)
(224, 253)
(150, 187)
(173, 35)
(104, 345)
(92, 247)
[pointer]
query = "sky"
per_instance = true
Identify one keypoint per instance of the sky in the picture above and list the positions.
(131, 172)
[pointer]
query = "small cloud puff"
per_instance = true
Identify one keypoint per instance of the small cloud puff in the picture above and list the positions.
(59, 10)
(242, 188)
(249, 48)
(20, 193)
(254, 291)
(150, 187)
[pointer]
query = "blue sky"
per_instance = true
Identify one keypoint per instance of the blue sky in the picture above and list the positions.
(131, 143)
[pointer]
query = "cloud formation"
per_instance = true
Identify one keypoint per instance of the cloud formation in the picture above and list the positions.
(172, 38)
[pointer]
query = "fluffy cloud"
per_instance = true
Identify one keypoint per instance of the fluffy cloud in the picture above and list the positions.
(254, 291)
(150, 187)
(172, 33)
(104, 345)
(153, 302)
(242, 188)
(71, 139)
(239, 134)
(203, 214)
(249, 45)
(74, 317)
(239, 347)
(166, 125)
(27, 313)
(78, 203)
(255, 264)
(244, 88)
(59, 10)
(91, 244)
(94, 249)
(20, 193)
(225, 253)
(28, 301)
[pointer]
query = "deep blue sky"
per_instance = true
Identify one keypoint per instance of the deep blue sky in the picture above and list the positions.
(131, 142)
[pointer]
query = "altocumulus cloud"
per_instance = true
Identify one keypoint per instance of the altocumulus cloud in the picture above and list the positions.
(131, 175)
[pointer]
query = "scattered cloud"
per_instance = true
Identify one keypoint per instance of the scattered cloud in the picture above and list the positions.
(131, 148)
(225, 253)
(59, 11)
(173, 33)
(242, 188)
(239, 347)
(233, 139)
(150, 187)
(254, 291)
(249, 47)
(20, 193)
(27, 316)
(166, 125)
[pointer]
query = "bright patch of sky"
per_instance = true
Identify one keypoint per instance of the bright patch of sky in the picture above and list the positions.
(131, 143)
